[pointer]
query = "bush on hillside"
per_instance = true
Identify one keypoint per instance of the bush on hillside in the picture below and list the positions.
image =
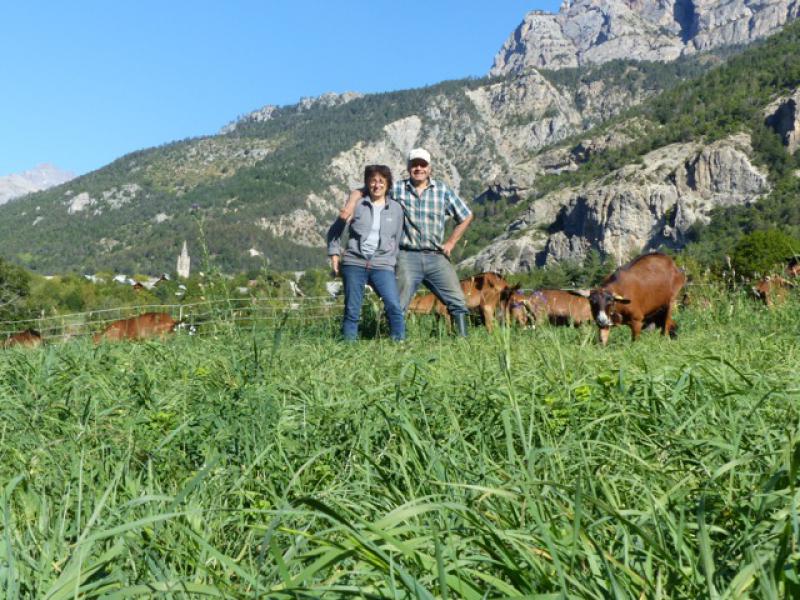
(763, 252)
(14, 292)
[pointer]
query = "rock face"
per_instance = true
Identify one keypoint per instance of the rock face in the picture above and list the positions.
(112, 199)
(596, 31)
(507, 124)
(639, 207)
(40, 178)
(783, 115)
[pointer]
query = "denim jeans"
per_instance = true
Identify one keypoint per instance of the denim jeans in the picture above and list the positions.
(436, 272)
(384, 283)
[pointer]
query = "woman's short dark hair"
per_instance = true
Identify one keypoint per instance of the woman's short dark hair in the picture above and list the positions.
(381, 170)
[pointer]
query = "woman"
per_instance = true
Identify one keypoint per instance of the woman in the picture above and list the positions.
(371, 254)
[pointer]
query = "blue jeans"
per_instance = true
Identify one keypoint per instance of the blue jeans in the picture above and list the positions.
(384, 283)
(436, 272)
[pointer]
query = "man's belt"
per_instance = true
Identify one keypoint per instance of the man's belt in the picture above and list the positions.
(421, 250)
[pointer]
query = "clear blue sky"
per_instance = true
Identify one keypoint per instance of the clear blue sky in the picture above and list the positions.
(85, 82)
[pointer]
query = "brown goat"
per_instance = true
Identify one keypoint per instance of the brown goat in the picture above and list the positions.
(147, 325)
(772, 290)
(558, 307)
(30, 338)
(482, 293)
(641, 292)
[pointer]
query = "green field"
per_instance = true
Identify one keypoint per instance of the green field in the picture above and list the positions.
(283, 464)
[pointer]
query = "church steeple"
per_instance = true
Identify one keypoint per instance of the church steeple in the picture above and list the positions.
(184, 262)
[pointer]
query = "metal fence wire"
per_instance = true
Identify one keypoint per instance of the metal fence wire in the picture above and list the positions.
(209, 316)
(204, 317)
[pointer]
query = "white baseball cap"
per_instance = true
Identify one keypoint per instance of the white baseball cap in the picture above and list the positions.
(419, 154)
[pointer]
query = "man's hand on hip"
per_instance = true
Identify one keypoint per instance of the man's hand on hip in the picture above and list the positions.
(350, 206)
(447, 248)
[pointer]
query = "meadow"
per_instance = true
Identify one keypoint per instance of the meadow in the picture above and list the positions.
(280, 463)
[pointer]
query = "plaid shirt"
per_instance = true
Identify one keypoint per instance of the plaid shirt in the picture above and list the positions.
(426, 215)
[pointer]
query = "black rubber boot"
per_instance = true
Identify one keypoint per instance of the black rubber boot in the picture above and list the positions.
(460, 321)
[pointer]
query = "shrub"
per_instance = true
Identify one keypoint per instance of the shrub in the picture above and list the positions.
(14, 291)
(763, 251)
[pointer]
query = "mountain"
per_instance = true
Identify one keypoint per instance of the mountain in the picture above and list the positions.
(611, 157)
(704, 163)
(272, 183)
(39, 178)
(597, 31)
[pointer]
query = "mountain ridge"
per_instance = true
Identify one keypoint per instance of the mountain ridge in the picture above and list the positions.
(39, 178)
(597, 31)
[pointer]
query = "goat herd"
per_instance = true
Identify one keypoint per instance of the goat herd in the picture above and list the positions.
(641, 294)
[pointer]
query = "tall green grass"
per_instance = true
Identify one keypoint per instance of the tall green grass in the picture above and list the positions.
(285, 464)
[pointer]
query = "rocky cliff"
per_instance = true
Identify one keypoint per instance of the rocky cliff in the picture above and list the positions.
(639, 207)
(597, 31)
(783, 115)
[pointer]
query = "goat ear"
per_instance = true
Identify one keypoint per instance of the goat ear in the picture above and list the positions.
(621, 299)
(581, 293)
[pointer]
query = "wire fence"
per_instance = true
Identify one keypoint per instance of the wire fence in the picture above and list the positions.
(204, 317)
(211, 316)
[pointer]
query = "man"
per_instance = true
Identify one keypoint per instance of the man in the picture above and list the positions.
(424, 253)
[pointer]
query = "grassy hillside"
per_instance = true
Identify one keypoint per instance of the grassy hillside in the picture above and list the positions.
(284, 465)
(232, 194)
